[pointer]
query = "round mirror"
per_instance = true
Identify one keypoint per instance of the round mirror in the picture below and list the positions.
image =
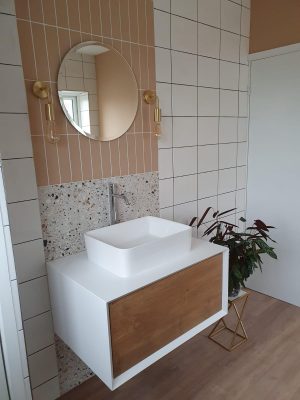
(98, 91)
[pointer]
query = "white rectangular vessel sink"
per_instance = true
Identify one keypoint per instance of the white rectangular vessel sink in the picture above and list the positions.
(131, 247)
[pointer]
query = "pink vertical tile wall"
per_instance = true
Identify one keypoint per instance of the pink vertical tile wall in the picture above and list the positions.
(47, 30)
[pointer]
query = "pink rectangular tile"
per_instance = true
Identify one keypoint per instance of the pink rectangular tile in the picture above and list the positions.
(115, 159)
(95, 17)
(86, 157)
(62, 13)
(75, 158)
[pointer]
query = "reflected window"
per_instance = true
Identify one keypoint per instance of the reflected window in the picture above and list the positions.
(76, 104)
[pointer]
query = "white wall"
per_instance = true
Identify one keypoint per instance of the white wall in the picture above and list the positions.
(22, 228)
(202, 82)
(274, 169)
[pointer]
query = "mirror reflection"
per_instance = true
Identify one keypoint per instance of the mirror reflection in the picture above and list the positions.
(98, 91)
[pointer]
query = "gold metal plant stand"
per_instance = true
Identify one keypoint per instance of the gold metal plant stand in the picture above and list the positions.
(238, 338)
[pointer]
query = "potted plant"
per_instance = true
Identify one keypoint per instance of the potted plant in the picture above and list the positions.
(245, 248)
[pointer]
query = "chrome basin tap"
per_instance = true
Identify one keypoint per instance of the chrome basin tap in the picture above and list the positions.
(112, 196)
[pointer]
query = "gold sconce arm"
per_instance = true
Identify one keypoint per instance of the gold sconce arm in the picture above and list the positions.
(150, 97)
(41, 90)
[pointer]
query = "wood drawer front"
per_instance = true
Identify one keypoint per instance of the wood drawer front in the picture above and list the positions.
(146, 320)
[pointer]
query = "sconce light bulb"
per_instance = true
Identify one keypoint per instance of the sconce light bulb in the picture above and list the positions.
(51, 128)
(51, 137)
(157, 130)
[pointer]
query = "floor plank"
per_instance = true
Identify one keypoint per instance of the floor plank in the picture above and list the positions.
(267, 367)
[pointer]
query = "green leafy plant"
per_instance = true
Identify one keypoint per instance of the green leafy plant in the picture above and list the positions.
(245, 248)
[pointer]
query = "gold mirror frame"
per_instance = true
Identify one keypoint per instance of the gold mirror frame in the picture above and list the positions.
(102, 135)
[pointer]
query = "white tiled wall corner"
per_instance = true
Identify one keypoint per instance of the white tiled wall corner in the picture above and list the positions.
(244, 77)
(203, 78)
(38, 332)
(162, 5)
(241, 200)
(229, 103)
(34, 297)
(166, 192)
(166, 140)
(3, 206)
(7, 7)
(230, 16)
(230, 44)
(28, 388)
(165, 163)
(19, 180)
(25, 221)
(244, 50)
(47, 391)
(242, 153)
(9, 48)
(16, 300)
(26, 260)
(242, 129)
(229, 75)
(15, 140)
(29, 260)
(11, 81)
(42, 366)
(163, 64)
(162, 29)
(9, 253)
(164, 93)
(23, 353)
(167, 213)
(245, 24)
(241, 177)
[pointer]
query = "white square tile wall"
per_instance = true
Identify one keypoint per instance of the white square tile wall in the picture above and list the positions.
(23, 227)
(202, 78)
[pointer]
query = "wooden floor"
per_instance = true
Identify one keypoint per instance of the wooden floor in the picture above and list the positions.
(267, 367)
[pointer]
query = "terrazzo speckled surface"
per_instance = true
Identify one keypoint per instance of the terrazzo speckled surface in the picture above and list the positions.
(69, 210)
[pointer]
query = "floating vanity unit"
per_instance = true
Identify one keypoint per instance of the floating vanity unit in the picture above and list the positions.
(119, 321)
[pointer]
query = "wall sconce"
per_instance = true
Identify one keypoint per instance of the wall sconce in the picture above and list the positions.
(42, 91)
(150, 97)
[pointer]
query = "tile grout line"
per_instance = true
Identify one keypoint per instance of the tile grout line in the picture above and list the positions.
(40, 105)
(79, 144)
(90, 140)
(49, 72)
(121, 42)
(140, 80)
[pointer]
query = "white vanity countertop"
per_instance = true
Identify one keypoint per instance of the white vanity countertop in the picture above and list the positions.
(109, 287)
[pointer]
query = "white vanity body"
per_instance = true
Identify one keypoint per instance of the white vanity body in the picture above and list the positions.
(81, 293)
